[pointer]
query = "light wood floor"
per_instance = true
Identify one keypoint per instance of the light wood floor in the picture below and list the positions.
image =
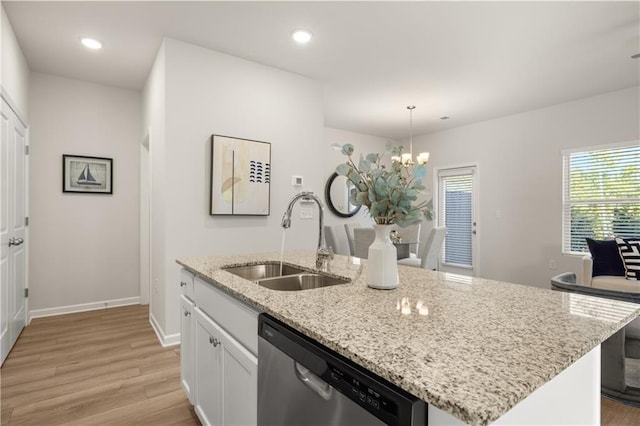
(107, 367)
(99, 367)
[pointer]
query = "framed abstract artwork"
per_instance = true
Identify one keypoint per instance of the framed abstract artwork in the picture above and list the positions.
(88, 175)
(240, 176)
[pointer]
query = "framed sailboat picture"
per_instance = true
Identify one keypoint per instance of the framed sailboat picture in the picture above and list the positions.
(240, 176)
(89, 175)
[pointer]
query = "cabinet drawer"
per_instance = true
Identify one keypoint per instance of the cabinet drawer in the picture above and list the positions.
(236, 318)
(186, 283)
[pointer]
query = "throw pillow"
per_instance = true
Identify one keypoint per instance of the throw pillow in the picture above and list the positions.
(606, 258)
(630, 254)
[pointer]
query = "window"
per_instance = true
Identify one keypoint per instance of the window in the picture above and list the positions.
(455, 211)
(601, 194)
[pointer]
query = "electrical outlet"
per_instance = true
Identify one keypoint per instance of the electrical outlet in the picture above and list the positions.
(552, 264)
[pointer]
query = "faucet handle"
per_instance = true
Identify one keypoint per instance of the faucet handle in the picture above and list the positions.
(326, 253)
(323, 256)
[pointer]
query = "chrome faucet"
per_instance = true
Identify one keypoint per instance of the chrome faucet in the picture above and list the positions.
(323, 254)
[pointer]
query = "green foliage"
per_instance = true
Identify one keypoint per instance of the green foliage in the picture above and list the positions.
(604, 192)
(390, 194)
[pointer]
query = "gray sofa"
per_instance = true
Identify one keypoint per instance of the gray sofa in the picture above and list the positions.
(619, 368)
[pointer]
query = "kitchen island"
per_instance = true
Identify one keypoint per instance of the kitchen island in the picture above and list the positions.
(476, 351)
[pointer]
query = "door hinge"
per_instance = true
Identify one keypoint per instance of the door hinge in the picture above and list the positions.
(26, 293)
(26, 221)
(26, 150)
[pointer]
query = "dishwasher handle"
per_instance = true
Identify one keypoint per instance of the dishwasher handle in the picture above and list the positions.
(313, 382)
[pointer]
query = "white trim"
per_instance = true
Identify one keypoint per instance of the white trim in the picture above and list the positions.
(590, 148)
(165, 341)
(455, 169)
(567, 203)
(93, 306)
(4, 95)
(145, 221)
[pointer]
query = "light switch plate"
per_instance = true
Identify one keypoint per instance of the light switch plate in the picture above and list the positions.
(306, 212)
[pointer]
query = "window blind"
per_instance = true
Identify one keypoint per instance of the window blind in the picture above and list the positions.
(455, 211)
(601, 195)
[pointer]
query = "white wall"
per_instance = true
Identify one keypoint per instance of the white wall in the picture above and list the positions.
(14, 71)
(84, 247)
(205, 93)
(520, 172)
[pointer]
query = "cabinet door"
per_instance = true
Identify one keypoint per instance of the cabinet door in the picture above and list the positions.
(227, 376)
(208, 371)
(187, 348)
(239, 382)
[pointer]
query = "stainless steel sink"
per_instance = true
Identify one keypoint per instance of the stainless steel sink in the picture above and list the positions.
(264, 270)
(291, 278)
(299, 282)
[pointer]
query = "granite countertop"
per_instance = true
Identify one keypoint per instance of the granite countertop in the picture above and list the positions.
(471, 347)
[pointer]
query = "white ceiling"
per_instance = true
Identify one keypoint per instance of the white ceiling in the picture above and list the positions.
(469, 60)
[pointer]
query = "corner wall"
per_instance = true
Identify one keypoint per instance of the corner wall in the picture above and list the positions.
(83, 247)
(205, 93)
(520, 176)
(154, 105)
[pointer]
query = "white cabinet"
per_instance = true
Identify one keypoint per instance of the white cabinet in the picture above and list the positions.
(219, 345)
(187, 347)
(227, 376)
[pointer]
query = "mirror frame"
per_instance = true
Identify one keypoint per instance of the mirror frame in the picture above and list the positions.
(327, 197)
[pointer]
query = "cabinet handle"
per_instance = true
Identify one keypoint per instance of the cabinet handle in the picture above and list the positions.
(15, 241)
(187, 313)
(182, 284)
(215, 342)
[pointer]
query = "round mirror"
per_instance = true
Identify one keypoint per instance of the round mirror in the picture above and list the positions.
(336, 192)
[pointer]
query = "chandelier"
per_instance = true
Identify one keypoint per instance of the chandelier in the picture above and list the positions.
(407, 159)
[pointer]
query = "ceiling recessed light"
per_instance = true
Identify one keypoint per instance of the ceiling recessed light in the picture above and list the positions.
(91, 43)
(301, 36)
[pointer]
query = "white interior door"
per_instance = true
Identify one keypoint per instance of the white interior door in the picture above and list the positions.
(457, 205)
(13, 235)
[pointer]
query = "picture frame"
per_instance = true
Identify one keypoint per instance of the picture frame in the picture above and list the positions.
(87, 175)
(240, 179)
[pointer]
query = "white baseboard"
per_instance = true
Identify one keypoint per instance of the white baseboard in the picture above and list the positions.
(165, 340)
(93, 306)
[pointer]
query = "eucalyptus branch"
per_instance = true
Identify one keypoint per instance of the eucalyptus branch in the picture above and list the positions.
(391, 191)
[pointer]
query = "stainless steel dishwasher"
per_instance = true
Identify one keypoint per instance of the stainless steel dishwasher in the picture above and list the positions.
(301, 382)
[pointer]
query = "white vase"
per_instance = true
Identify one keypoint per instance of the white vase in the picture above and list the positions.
(382, 264)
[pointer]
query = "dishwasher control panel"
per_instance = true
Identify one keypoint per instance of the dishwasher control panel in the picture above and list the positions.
(363, 393)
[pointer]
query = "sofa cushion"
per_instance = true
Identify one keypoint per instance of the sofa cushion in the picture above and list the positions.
(616, 283)
(606, 258)
(630, 253)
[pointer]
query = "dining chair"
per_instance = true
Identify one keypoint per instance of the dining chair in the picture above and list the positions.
(336, 238)
(348, 227)
(363, 237)
(429, 251)
(410, 234)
